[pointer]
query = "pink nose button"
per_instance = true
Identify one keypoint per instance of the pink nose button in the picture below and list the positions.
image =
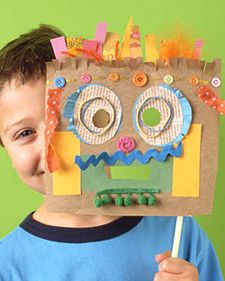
(126, 144)
(85, 78)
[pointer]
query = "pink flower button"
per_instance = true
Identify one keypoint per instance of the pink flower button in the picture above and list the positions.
(126, 144)
(85, 78)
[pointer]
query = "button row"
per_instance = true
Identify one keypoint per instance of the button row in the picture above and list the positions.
(139, 79)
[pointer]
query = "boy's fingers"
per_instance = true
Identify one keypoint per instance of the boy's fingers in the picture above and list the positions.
(162, 276)
(176, 266)
(160, 257)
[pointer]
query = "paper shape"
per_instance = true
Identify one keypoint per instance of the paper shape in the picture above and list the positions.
(67, 179)
(59, 46)
(102, 175)
(125, 46)
(134, 172)
(135, 43)
(90, 46)
(198, 48)
(100, 33)
(151, 51)
(186, 170)
(109, 47)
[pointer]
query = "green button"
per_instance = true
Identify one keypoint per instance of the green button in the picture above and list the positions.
(168, 79)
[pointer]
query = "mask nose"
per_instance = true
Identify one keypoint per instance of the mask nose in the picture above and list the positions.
(126, 144)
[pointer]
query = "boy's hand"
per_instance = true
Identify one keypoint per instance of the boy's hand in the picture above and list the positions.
(174, 269)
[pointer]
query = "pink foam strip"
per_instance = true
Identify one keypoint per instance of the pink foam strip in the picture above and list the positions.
(90, 45)
(198, 47)
(59, 46)
(100, 32)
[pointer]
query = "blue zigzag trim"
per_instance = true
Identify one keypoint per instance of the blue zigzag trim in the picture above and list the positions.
(128, 159)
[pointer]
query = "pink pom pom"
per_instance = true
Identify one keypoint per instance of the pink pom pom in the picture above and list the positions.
(126, 144)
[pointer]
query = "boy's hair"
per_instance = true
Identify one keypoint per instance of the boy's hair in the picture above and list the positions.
(24, 58)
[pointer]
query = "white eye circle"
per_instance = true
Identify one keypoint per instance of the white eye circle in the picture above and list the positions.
(174, 111)
(94, 113)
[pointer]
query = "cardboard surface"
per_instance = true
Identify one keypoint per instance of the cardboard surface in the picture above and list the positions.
(181, 69)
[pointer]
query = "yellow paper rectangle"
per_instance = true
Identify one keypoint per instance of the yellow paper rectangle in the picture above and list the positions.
(186, 170)
(152, 53)
(67, 179)
(110, 45)
(125, 46)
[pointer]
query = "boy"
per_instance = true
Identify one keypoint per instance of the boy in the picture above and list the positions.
(62, 246)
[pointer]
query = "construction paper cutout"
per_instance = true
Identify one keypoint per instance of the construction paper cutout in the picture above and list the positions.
(109, 47)
(125, 144)
(90, 45)
(101, 31)
(175, 117)
(135, 43)
(186, 169)
(67, 179)
(208, 97)
(52, 116)
(132, 173)
(100, 175)
(152, 53)
(82, 105)
(198, 48)
(128, 159)
(151, 117)
(59, 46)
(125, 46)
(101, 118)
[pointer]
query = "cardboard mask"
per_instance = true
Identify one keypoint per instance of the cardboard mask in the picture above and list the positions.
(128, 137)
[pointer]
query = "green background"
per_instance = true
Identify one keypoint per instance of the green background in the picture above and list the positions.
(205, 18)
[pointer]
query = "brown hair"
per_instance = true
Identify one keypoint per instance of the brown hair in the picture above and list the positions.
(24, 58)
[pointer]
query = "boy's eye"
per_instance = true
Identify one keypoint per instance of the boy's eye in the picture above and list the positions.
(25, 133)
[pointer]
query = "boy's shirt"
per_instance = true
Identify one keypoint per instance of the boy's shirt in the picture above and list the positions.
(122, 250)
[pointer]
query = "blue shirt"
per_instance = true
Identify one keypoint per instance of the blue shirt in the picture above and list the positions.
(123, 250)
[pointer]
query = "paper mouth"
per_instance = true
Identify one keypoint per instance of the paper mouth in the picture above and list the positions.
(127, 160)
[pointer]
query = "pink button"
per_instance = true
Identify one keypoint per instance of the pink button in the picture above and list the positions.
(85, 78)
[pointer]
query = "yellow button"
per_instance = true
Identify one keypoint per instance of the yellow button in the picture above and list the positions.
(114, 76)
(194, 81)
(168, 79)
(140, 79)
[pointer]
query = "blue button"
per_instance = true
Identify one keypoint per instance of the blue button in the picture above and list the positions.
(59, 82)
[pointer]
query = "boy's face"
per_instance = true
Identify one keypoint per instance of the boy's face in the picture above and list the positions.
(22, 129)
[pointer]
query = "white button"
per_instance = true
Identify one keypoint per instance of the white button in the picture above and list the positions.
(216, 82)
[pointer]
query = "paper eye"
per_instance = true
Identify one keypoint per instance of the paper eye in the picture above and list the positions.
(162, 115)
(94, 113)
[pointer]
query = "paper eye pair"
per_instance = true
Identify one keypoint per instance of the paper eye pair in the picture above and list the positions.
(161, 114)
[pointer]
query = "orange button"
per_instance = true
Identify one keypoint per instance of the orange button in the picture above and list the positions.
(114, 76)
(140, 79)
(194, 81)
